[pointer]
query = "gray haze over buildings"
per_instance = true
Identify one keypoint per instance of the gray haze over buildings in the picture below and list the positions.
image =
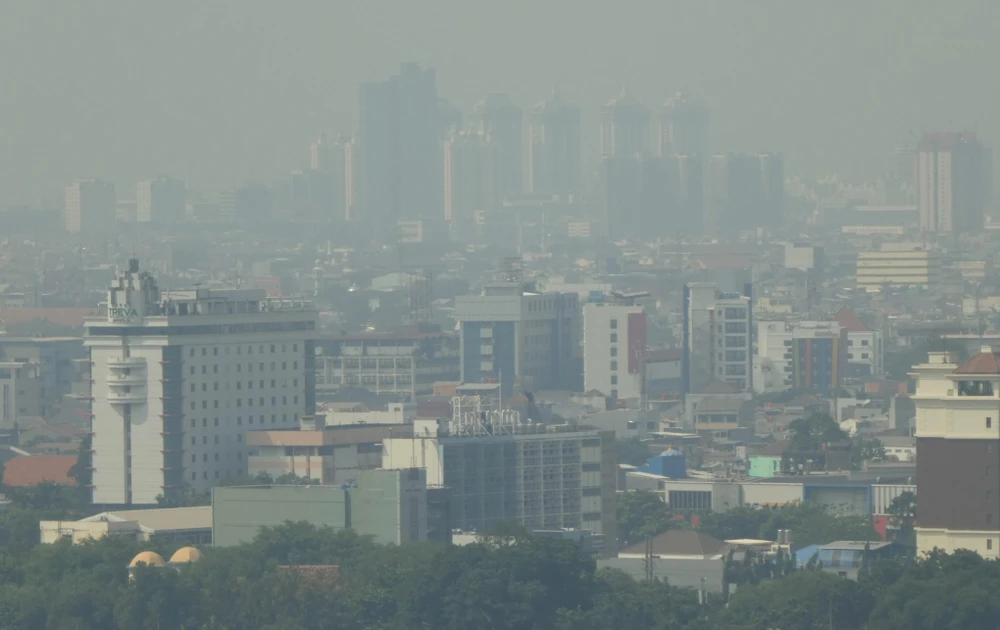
(216, 92)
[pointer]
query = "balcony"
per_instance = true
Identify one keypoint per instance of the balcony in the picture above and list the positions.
(125, 363)
(127, 380)
(121, 397)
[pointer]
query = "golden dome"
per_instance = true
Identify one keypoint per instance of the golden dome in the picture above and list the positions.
(185, 555)
(151, 558)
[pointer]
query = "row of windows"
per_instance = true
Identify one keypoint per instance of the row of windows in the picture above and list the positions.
(239, 349)
(239, 421)
(239, 367)
(204, 439)
(239, 385)
(209, 329)
(204, 457)
(239, 402)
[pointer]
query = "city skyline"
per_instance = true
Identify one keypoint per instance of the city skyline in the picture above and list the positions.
(827, 108)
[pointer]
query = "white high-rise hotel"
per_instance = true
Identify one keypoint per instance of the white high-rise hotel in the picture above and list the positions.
(179, 378)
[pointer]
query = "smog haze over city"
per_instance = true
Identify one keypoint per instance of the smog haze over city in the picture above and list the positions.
(215, 92)
(552, 315)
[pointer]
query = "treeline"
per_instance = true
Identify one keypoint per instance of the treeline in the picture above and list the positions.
(527, 583)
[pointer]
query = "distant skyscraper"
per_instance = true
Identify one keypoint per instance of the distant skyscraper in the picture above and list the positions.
(554, 147)
(247, 202)
(682, 126)
(624, 127)
(501, 123)
(332, 193)
(90, 206)
(449, 118)
(161, 200)
(952, 182)
(745, 191)
(621, 195)
(471, 177)
(399, 165)
(651, 197)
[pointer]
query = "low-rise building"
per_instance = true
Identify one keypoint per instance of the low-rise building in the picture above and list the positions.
(905, 266)
(499, 469)
(328, 455)
(402, 364)
(389, 505)
(186, 524)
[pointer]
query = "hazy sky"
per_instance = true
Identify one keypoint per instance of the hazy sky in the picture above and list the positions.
(220, 91)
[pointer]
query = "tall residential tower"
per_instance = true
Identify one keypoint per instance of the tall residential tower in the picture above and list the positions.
(554, 147)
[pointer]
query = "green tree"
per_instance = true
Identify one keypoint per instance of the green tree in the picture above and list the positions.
(641, 513)
(812, 433)
(811, 524)
(803, 600)
(633, 451)
(740, 522)
(866, 449)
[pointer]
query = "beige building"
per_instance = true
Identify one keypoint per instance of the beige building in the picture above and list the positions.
(903, 267)
(329, 455)
(190, 524)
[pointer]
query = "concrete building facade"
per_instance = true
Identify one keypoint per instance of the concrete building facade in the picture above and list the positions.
(500, 469)
(327, 455)
(390, 505)
(403, 364)
(802, 355)
(717, 337)
(177, 380)
(518, 338)
(894, 267)
(90, 206)
(958, 453)
(614, 348)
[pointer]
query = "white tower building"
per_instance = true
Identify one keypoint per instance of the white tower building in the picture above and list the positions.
(179, 378)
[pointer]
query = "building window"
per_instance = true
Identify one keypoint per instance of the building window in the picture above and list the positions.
(204, 351)
(989, 423)
(614, 351)
(215, 352)
(989, 543)
(614, 366)
(864, 342)
(614, 324)
(614, 379)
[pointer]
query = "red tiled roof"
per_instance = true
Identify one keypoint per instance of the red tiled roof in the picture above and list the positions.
(982, 363)
(59, 316)
(846, 318)
(24, 470)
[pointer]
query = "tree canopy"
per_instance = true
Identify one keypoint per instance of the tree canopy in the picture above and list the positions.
(533, 583)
